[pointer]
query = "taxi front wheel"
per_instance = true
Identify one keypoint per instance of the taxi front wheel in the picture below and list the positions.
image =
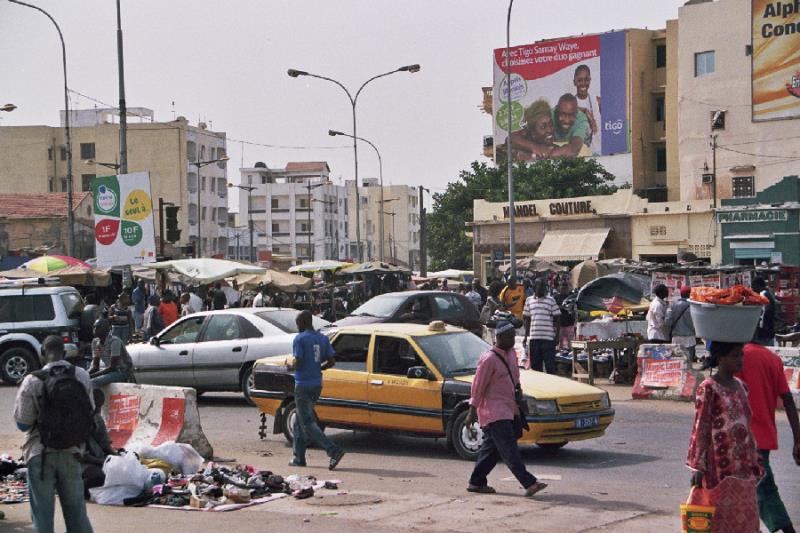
(466, 443)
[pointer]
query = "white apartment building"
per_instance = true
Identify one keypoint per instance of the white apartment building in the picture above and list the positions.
(401, 238)
(297, 211)
(33, 159)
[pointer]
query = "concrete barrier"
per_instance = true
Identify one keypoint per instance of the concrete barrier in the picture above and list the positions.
(663, 374)
(791, 368)
(150, 414)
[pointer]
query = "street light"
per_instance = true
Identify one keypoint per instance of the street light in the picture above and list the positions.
(8, 108)
(334, 133)
(199, 165)
(115, 166)
(70, 213)
(512, 228)
(249, 189)
(293, 73)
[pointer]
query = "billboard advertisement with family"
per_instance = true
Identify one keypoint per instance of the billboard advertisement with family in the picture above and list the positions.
(568, 97)
(776, 63)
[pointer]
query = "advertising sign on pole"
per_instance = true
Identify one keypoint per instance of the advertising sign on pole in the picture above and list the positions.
(776, 63)
(123, 217)
(568, 97)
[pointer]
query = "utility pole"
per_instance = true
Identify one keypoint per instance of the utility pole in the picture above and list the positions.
(714, 168)
(123, 110)
(161, 227)
(512, 245)
(423, 259)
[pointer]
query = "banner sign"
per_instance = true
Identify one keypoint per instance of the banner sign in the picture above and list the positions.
(753, 215)
(568, 97)
(776, 63)
(123, 216)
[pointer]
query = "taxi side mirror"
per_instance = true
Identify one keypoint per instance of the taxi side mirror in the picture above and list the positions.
(420, 372)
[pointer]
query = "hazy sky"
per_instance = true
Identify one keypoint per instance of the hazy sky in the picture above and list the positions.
(226, 63)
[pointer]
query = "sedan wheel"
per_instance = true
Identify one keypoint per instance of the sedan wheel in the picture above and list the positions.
(248, 384)
(16, 364)
(465, 444)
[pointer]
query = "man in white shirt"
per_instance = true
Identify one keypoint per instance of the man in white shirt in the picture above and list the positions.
(656, 316)
(541, 314)
(195, 302)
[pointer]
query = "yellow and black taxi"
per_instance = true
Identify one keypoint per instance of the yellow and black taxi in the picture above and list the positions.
(415, 379)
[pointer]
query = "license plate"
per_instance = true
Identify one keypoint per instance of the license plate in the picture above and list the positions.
(587, 422)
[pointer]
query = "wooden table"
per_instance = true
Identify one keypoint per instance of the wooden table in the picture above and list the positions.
(617, 345)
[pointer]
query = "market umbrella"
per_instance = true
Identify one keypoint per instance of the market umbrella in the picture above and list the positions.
(273, 278)
(373, 267)
(204, 270)
(317, 266)
(624, 288)
(586, 271)
(451, 273)
(84, 276)
(535, 265)
(21, 273)
(49, 263)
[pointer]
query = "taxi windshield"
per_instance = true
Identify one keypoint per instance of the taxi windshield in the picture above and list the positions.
(453, 353)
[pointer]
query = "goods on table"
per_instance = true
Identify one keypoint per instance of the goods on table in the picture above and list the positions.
(738, 294)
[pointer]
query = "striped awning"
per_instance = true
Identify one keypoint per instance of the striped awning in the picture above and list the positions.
(572, 244)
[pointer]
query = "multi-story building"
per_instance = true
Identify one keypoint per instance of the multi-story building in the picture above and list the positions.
(296, 211)
(401, 238)
(33, 159)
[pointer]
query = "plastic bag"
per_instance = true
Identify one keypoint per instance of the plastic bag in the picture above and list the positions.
(125, 469)
(115, 494)
(181, 456)
(697, 514)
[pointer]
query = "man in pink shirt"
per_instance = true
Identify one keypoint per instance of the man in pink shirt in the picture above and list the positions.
(493, 403)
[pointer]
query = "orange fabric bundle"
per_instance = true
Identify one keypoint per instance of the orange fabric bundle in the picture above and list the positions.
(738, 294)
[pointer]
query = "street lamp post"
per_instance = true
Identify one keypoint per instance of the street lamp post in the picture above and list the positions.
(70, 213)
(310, 187)
(114, 166)
(200, 164)
(353, 100)
(249, 189)
(512, 230)
(334, 133)
(392, 236)
(123, 111)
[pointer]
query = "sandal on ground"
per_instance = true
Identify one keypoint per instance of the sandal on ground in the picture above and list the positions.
(533, 489)
(481, 489)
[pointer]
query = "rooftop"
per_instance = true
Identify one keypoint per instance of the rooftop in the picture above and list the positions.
(308, 166)
(38, 205)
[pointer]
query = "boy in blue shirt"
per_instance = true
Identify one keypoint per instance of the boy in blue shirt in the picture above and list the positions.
(313, 353)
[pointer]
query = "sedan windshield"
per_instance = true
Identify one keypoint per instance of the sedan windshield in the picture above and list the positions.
(384, 306)
(453, 353)
(285, 320)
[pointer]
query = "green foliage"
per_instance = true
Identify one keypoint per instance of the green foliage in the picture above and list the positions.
(565, 177)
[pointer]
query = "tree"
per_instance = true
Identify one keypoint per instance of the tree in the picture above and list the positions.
(567, 177)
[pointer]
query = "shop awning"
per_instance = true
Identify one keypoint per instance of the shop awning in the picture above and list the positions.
(572, 244)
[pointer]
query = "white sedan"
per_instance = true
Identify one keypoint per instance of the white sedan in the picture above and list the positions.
(215, 350)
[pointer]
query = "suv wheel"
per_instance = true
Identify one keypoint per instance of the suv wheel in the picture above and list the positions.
(465, 445)
(15, 364)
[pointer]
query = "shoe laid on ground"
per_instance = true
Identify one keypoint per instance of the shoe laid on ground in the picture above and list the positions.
(335, 459)
(533, 489)
(481, 489)
(294, 462)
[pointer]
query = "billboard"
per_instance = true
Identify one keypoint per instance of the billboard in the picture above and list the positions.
(776, 63)
(569, 97)
(123, 220)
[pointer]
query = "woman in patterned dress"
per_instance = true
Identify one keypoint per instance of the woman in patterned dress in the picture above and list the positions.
(722, 449)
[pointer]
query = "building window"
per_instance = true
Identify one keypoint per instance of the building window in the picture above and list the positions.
(661, 56)
(704, 63)
(87, 150)
(276, 228)
(191, 151)
(274, 203)
(661, 160)
(743, 186)
(203, 215)
(660, 109)
(302, 203)
(213, 185)
(50, 154)
(658, 231)
(63, 184)
(202, 153)
(717, 120)
(63, 153)
(263, 180)
(213, 215)
(203, 184)
(86, 182)
(220, 155)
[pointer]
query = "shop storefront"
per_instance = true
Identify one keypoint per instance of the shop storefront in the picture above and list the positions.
(764, 228)
(666, 231)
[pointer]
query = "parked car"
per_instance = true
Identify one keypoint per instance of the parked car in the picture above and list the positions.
(414, 379)
(28, 314)
(417, 307)
(215, 350)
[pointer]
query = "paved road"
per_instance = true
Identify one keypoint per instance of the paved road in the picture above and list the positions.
(631, 479)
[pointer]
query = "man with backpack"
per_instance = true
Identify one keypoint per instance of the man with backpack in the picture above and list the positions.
(54, 408)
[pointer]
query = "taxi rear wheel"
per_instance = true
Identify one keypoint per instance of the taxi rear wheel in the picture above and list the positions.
(289, 416)
(465, 445)
(551, 446)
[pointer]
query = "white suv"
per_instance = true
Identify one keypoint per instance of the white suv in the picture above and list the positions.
(28, 314)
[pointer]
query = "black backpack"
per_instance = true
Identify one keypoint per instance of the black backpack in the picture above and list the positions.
(66, 416)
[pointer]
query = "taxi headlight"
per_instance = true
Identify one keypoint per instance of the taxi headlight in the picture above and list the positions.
(542, 407)
(605, 401)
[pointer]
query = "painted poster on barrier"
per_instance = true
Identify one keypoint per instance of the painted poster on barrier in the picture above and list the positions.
(663, 373)
(123, 216)
(568, 97)
(123, 416)
(776, 63)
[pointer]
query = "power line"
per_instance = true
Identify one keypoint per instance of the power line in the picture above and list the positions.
(794, 156)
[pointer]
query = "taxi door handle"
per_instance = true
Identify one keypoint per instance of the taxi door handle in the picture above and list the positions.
(376, 382)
